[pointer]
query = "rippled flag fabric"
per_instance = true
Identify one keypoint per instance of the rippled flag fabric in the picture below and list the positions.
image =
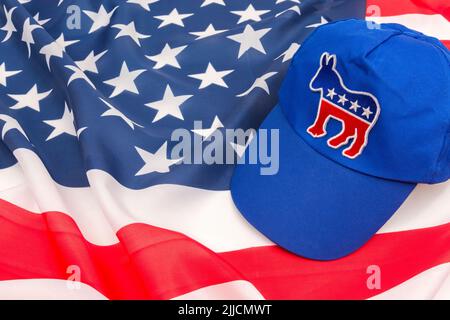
(108, 95)
(86, 114)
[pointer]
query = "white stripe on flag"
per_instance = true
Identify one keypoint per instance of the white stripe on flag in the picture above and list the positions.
(209, 217)
(427, 206)
(47, 289)
(433, 283)
(234, 290)
(434, 25)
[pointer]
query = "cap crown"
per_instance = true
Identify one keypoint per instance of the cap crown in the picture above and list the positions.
(376, 100)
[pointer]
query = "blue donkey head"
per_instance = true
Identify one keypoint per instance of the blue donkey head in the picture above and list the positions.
(326, 76)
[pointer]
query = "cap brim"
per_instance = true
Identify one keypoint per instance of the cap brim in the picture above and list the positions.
(313, 206)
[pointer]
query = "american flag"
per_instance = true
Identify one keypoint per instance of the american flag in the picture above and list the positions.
(90, 93)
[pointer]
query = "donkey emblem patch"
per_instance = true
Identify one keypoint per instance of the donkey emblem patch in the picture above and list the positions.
(357, 111)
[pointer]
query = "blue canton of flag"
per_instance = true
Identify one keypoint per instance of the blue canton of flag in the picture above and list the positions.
(108, 95)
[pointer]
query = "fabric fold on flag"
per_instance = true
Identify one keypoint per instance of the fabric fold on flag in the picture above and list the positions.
(90, 192)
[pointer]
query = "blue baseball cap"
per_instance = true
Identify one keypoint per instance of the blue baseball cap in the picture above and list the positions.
(363, 117)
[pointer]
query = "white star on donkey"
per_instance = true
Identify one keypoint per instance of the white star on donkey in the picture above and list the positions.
(129, 30)
(5, 74)
(250, 14)
(114, 112)
(62, 125)
(169, 105)
(100, 19)
(260, 82)
(342, 99)
(155, 162)
(27, 34)
(8, 27)
(30, 99)
(289, 53)
(209, 31)
(206, 133)
(211, 76)
(168, 56)
(367, 112)
(355, 106)
(56, 48)
(250, 38)
(124, 81)
(173, 18)
(208, 2)
(11, 124)
(145, 4)
(90, 62)
(331, 93)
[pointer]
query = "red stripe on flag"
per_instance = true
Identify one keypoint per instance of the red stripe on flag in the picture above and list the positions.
(399, 7)
(446, 43)
(438, 6)
(153, 263)
(149, 262)
(399, 255)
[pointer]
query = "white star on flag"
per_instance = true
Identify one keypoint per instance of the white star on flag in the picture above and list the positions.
(124, 81)
(5, 74)
(114, 112)
(62, 125)
(155, 162)
(8, 27)
(239, 148)
(209, 31)
(169, 105)
(78, 74)
(211, 76)
(250, 14)
(129, 30)
(260, 82)
(145, 4)
(90, 62)
(208, 2)
(31, 99)
(280, 1)
(11, 124)
(321, 23)
(80, 131)
(206, 133)
(27, 34)
(39, 21)
(100, 19)
(289, 53)
(250, 38)
(168, 56)
(173, 18)
(295, 9)
(56, 48)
